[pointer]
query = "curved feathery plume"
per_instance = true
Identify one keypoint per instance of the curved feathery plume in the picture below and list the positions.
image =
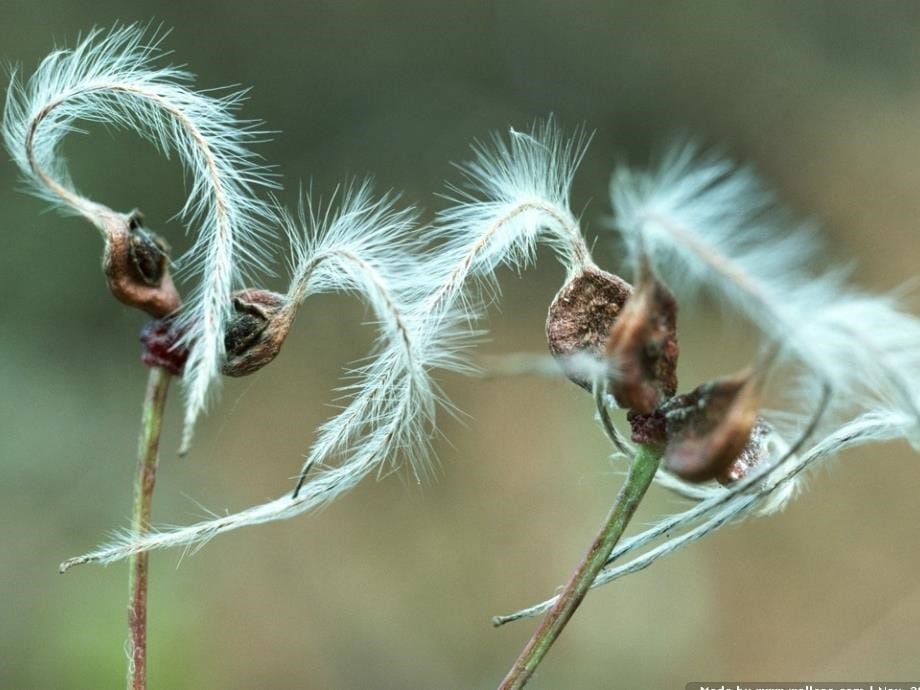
(516, 192)
(706, 224)
(366, 248)
(363, 247)
(115, 78)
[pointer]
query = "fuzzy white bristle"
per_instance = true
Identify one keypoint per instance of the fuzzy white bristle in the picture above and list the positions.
(367, 247)
(516, 194)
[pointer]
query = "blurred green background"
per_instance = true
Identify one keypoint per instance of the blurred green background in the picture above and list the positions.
(394, 585)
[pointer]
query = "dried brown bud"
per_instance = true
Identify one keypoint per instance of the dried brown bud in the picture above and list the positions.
(161, 340)
(256, 331)
(581, 315)
(136, 265)
(643, 344)
(709, 428)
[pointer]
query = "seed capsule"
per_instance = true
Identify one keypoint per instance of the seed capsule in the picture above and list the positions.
(643, 344)
(136, 266)
(581, 315)
(709, 428)
(257, 330)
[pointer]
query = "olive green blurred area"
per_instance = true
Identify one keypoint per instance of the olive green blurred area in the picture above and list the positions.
(395, 584)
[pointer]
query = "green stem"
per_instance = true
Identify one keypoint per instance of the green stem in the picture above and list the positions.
(147, 456)
(641, 472)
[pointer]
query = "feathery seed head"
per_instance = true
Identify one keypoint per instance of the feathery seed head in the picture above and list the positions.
(700, 223)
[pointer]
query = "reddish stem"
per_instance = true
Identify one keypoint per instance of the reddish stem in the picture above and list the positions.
(147, 456)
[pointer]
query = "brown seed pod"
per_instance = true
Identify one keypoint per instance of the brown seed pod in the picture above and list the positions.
(257, 330)
(709, 428)
(643, 343)
(136, 266)
(581, 315)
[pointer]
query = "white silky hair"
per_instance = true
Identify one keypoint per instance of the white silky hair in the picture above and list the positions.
(515, 194)
(117, 78)
(365, 245)
(581, 364)
(709, 225)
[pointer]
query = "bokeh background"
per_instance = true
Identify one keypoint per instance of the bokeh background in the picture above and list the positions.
(394, 585)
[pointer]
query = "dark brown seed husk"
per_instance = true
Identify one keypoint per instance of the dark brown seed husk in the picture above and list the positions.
(581, 315)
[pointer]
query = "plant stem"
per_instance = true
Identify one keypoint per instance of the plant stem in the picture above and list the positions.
(147, 456)
(641, 472)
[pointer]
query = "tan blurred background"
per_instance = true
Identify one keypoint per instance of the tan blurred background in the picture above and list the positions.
(394, 585)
